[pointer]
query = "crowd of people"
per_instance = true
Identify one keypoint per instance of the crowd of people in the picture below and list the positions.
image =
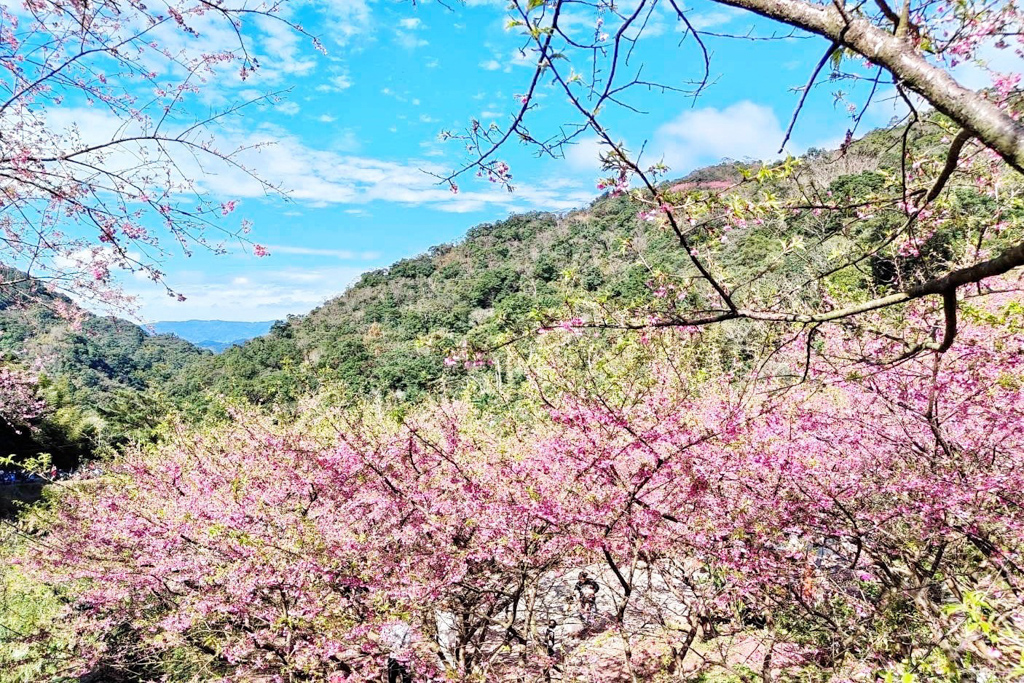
(19, 476)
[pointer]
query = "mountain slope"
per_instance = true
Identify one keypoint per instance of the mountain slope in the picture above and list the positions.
(372, 337)
(391, 332)
(100, 378)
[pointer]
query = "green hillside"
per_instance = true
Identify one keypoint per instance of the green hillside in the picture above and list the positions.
(390, 333)
(102, 380)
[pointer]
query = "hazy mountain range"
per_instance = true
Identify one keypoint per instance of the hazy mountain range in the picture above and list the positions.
(215, 335)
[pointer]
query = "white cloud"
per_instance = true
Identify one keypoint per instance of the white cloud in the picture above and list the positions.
(282, 52)
(409, 41)
(341, 82)
(431, 148)
(336, 83)
(744, 130)
(347, 19)
(705, 20)
(401, 97)
(885, 105)
(585, 155)
(319, 177)
(342, 254)
(84, 259)
(580, 21)
(90, 125)
(406, 36)
(268, 294)
(524, 58)
(288, 108)
(345, 140)
(326, 118)
(490, 65)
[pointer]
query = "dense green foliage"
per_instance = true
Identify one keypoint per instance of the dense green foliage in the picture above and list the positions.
(102, 380)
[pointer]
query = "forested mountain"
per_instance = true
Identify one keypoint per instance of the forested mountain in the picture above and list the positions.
(100, 377)
(390, 333)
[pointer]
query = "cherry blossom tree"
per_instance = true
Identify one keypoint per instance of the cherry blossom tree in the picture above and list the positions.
(102, 160)
(19, 404)
(864, 522)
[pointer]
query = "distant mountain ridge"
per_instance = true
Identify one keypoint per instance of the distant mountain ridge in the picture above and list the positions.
(215, 335)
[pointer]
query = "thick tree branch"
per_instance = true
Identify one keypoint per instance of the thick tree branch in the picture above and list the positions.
(1005, 262)
(949, 308)
(945, 286)
(952, 158)
(889, 13)
(986, 121)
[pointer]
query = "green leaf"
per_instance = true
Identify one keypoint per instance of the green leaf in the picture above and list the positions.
(836, 58)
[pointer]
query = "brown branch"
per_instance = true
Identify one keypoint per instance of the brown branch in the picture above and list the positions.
(952, 158)
(945, 285)
(889, 13)
(1005, 262)
(807, 88)
(949, 308)
(992, 126)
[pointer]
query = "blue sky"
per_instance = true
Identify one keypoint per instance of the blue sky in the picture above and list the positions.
(356, 130)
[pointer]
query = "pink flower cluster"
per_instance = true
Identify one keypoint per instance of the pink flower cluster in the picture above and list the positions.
(819, 499)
